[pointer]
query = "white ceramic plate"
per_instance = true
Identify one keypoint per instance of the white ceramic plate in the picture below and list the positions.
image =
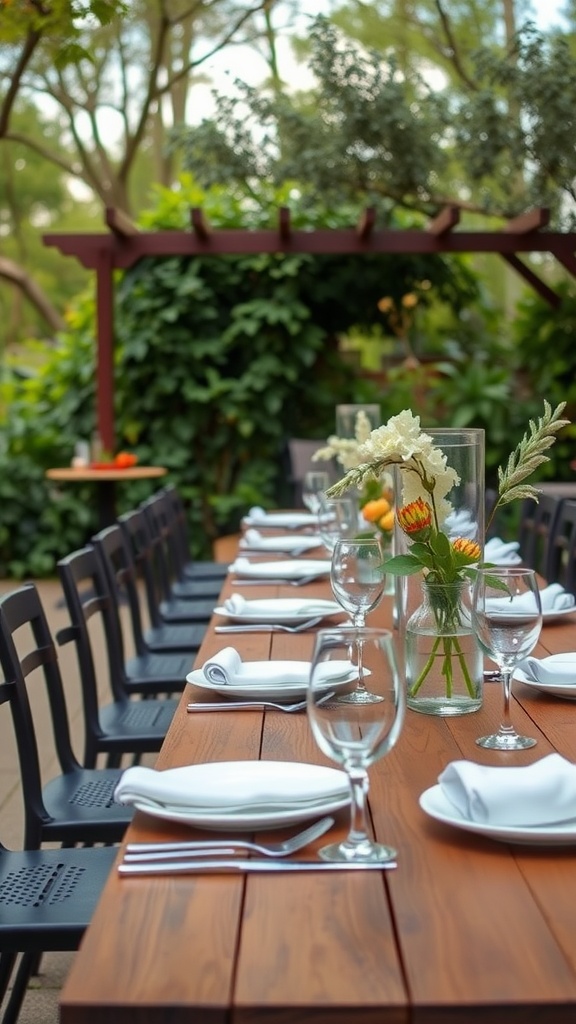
(250, 817)
(286, 520)
(271, 688)
(556, 613)
(434, 803)
(288, 544)
(280, 570)
(558, 689)
(281, 610)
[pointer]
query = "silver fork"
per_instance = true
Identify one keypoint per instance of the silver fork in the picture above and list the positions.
(270, 628)
(137, 852)
(253, 705)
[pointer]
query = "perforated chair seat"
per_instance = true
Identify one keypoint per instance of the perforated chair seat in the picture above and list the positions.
(179, 610)
(47, 897)
(193, 589)
(157, 672)
(178, 638)
(80, 806)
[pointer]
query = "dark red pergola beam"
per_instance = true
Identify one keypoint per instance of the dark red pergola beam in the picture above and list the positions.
(123, 245)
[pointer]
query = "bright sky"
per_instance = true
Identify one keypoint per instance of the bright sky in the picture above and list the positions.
(241, 63)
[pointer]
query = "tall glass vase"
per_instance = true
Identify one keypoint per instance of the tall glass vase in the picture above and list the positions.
(464, 451)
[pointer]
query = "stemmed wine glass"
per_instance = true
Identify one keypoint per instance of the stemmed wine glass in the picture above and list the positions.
(358, 580)
(356, 735)
(315, 483)
(337, 517)
(507, 619)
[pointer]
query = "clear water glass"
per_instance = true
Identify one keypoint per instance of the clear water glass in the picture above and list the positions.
(337, 517)
(355, 736)
(507, 619)
(314, 484)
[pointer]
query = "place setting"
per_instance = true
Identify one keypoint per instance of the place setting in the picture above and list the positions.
(297, 571)
(289, 520)
(256, 543)
(555, 674)
(273, 614)
(227, 675)
(533, 804)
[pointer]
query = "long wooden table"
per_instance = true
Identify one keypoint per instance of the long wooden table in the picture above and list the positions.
(467, 930)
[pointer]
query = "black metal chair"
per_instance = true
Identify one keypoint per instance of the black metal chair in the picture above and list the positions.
(124, 725)
(116, 552)
(562, 549)
(537, 525)
(77, 806)
(190, 567)
(147, 674)
(163, 608)
(162, 527)
(47, 898)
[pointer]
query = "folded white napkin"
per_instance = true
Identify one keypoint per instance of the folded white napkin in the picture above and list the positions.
(558, 668)
(260, 517)
(231, 786)
(286, 570)
(236, 604)
(461, 524)
(501, 552)
(254, 541)
(227, 668)
(553, 598)
(538, 794)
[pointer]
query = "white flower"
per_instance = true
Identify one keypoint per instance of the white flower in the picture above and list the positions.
(346, 449)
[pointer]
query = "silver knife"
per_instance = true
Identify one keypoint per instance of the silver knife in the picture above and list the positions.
(239, 866)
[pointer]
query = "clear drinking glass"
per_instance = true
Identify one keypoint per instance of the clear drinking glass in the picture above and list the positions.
(356, 575)
(337, 517)
(356, 735)
(507, 619)
(315, 483)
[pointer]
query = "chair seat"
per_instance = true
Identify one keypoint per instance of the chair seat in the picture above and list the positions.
(205, 571)
(81, 803)
(180, 610)
(160, 671)
(47, 897)
(178, 638)
(194, 589)
(136, 725)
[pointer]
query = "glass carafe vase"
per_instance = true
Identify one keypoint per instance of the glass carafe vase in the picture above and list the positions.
(443, 660)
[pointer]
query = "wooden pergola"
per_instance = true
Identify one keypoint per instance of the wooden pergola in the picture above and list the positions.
(124, 244)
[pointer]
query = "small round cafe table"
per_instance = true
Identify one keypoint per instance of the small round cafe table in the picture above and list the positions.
(105, 480)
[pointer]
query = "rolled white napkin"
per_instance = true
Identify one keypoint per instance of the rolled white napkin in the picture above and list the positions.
(553, 598)
(558, 668)
(227, 668)
(286, 570)
(254, 541)
(235, 604)
(231, 785)
(260, 517)
(542, 793)
(502, 552)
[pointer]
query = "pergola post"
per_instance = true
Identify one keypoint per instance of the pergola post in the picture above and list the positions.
(105, 348)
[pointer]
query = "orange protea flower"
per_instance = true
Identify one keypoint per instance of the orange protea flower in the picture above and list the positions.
(385, 305)
(386, 523)
(410, 300)
(374, 510)
(415, 517)
(467, 547)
